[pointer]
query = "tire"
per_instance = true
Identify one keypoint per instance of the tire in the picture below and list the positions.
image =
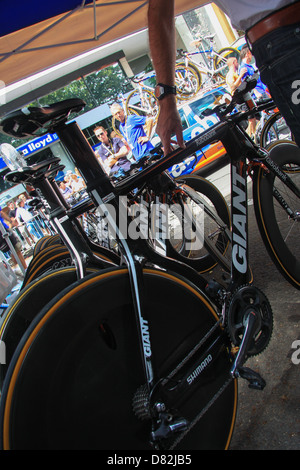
(78, 369)
(221, 59)
(200, 259)
(27, 306)
(46, 241)
(53, 257)
(187, 82)
(145, 105)
(193, 67)
(271, 135)
(275, 128)
(279, 231)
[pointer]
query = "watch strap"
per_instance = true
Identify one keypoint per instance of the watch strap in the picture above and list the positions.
(167, 90)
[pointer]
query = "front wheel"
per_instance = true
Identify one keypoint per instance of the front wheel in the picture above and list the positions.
(142, 103)
(192, 66)
(220, 61)
(275, 128)
(277, 210)
(187, 82)
(211, 214)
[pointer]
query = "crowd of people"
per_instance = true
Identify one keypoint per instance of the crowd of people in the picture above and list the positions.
(24, 226)
(116, 153)
(72, 186)
(269, 40)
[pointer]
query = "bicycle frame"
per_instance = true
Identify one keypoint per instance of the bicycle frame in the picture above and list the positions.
(239, 146)
(208, 68)
(140, 87)
(103, 191)
(107, 197)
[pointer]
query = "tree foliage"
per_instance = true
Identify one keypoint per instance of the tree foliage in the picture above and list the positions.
(95, 89)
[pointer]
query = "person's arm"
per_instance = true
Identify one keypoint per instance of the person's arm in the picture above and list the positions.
(122, 152)
(161, 24)
(7, 219)
(148, 127)
(233, 84)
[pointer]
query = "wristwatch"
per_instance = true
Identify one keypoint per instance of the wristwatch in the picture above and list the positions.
(162, 90)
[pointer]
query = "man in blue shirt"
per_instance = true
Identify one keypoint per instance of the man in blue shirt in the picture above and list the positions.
(132, 128)
(112, 152)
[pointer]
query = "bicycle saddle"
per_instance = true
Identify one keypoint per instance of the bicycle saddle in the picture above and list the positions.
(35, 203)
(31, 173)
(33, 121)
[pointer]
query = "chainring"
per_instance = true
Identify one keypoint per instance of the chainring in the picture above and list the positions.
(244, 299)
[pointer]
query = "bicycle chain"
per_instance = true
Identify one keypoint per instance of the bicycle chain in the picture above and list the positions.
(142, 405)
(191, 353)
(201, 414)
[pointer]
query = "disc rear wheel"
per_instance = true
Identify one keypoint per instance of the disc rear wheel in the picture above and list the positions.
(78, 369)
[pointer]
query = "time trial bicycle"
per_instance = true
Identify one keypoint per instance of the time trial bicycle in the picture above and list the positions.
(113, 380)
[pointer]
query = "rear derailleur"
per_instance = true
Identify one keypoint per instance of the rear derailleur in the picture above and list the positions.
(165, 424)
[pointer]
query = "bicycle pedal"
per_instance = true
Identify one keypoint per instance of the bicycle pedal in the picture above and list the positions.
(256, 382)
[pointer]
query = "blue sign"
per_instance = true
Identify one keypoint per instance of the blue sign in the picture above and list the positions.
(37, 144)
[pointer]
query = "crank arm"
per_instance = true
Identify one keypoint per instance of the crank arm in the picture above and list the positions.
(255, 380)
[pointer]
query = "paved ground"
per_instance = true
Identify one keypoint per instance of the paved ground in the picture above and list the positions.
(270, 419)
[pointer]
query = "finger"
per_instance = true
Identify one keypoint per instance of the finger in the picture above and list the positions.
(180, 140)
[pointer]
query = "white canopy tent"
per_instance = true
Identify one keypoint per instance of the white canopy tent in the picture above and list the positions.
(34, 38)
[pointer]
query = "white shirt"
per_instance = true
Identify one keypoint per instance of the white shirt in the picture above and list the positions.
(245, 13)
(23, 215)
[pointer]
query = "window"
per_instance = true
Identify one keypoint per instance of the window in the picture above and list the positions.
(184, 121)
